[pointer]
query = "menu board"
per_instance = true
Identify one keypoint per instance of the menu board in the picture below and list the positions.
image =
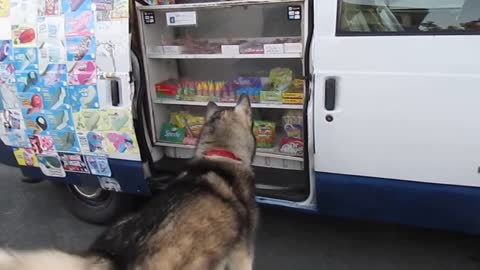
(56, 59)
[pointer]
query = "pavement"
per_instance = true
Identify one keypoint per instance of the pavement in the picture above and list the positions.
(34, 216)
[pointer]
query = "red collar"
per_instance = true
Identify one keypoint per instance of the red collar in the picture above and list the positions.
(222, 153)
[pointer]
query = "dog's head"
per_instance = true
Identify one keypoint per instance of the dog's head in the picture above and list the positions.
(229, 130)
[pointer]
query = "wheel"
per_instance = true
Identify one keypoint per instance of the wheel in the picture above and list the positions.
(95, 205)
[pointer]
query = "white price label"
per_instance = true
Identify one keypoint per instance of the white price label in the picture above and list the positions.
(155, 49)
(181, 18)
(230, 49)
(172, 50)
(273, 49)
(293, 47)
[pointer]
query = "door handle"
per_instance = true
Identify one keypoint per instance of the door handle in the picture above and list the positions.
(115, 91)
(330, 93)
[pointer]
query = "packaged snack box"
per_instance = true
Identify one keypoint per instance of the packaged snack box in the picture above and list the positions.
(291, 146)
(167, 89)
(171, 133)
(264, 132)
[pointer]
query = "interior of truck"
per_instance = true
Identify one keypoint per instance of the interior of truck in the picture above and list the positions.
(195, 58)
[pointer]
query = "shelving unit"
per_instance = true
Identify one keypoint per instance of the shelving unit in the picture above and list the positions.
(229, 104)
(264, 152)
(220, 4)
(263, 158)
(169, 53)
(224, 56)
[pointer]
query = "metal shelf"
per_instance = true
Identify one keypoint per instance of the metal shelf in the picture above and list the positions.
(215, 4)
(230, 104)
(260, 153)
(224, 56)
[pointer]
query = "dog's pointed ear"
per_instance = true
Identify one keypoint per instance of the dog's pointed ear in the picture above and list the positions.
(211, 109)
(244, 108)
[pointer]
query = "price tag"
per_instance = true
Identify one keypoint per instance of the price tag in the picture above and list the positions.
(273, 48)
(293, 47)
(181, 18)
(172, 50)
(230, 49)
(155, 49)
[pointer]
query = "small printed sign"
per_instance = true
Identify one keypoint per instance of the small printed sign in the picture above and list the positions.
(230, 49)
(293, 47)
(149, 17)
(172, 50)
(294, 12)
(50, 165)
(181, 18)
(273, 49)
(98, 165)
(25, 157)
(155, 50)
(74, 163)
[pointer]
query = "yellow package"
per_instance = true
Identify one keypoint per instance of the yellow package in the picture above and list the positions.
(176, 118)
(194, 124)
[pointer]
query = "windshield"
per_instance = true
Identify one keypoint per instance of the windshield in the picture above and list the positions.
(368, 16)
(409, 16)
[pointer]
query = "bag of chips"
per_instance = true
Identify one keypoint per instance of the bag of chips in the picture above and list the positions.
(264, 132)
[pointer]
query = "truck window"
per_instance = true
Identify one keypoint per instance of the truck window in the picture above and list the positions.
(408, 17)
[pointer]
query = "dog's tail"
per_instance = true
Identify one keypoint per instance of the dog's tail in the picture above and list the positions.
(51, 260)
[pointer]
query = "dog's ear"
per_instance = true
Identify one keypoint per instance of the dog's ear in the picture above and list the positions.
(211, 109)
(244, 109)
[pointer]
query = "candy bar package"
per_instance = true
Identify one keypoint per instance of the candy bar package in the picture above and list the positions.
(191, 125)
(291, 146)
(264, 132)
(293, 124)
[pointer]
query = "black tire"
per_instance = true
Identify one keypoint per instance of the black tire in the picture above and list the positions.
(101, 209)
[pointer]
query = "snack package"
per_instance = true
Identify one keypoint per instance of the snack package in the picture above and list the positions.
(264, 132)
(281, 78)
(294, 94)
(271, 97)
(251, 47)
(190, 124)
(228, 93)
(208, 90)
(293, 124)
(193, 125)
(176, 118)
(171, 133)
(166, 89)
(250, 86)
(291, 146)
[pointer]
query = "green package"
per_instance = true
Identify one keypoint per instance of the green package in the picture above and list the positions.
(281, 78)
(171, 133)
(264, 132)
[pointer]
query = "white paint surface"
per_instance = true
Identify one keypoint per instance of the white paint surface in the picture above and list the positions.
(408, 107)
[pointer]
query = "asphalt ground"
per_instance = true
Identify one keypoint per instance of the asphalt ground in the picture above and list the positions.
(34, 216)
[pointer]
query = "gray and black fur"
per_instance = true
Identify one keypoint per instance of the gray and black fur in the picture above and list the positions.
(205, 220)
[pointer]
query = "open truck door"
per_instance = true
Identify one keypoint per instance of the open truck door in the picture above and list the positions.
(67, 95)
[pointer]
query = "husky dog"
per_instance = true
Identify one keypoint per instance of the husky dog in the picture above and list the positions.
(206, 219)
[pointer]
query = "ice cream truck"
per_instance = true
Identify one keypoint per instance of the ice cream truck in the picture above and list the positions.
(364, 109)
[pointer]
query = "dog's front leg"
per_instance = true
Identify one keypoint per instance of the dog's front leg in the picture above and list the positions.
(241, 258)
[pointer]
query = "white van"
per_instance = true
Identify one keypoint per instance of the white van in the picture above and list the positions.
(364, 108)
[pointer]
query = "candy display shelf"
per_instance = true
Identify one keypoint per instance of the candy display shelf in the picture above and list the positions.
(229, 104)
(222, 56)
(221, 50)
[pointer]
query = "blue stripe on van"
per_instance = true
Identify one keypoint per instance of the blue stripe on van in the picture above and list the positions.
(129, 175)
(6, 155)
(412, 203)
